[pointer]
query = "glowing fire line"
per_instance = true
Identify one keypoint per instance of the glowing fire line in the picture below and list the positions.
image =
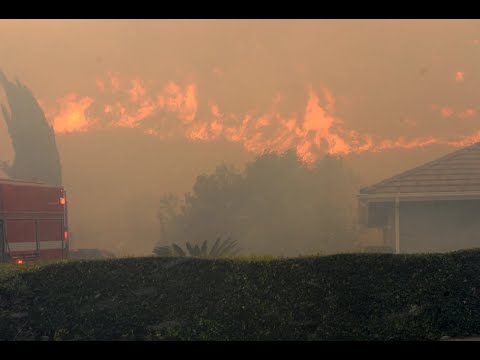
(173, 111)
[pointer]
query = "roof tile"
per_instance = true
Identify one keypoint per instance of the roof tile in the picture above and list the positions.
(457, 171)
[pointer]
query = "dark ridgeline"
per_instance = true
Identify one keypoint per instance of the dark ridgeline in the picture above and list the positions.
(33, 139)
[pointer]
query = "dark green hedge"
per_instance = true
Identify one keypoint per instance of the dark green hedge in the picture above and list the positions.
(340, 297)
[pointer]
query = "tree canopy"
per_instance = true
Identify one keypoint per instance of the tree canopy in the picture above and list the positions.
(33, 139)
(277, 205)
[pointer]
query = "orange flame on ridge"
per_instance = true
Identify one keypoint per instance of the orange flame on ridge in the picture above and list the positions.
(459, 76)
(173, 111)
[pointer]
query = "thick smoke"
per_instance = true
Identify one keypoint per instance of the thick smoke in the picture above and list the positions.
(408, 85)
(33, 139)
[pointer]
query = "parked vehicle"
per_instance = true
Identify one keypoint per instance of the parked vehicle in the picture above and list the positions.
(33, 222)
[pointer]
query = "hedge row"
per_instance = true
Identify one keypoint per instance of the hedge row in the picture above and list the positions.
(340, 297)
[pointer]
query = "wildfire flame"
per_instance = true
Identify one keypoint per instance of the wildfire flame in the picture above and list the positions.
(173, 111)
(459, 76)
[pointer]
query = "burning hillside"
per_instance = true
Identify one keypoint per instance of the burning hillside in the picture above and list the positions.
(174, 111)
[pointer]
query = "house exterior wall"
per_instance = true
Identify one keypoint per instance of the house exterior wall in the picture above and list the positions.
(378, 216)
(439, 226)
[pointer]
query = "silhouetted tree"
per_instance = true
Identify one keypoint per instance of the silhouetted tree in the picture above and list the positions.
(278, 205)
(33, 139)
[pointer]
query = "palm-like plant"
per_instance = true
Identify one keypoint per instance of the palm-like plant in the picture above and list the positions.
(220, 248)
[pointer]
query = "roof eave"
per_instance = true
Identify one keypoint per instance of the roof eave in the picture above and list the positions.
(454, 195)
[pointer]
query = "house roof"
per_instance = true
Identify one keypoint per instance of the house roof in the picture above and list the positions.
(457, 172)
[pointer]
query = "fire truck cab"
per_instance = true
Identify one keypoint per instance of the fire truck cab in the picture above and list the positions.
(33, 222)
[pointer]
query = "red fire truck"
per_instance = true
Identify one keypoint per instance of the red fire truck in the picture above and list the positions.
(33, 222)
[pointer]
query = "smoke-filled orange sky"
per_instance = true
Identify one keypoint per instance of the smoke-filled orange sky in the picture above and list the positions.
(317, 85)
(337, 86)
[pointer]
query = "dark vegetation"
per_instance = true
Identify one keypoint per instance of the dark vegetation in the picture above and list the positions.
(220, 248)
(84, 254)
(33, 139)
(340, 297)
(277, 205)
